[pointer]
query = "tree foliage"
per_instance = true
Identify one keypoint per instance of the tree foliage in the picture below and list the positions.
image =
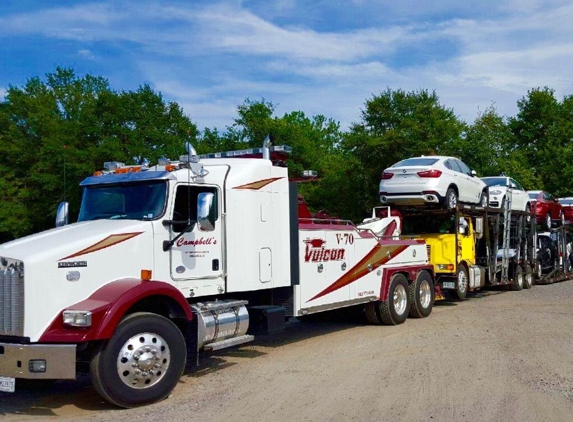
(56, 131)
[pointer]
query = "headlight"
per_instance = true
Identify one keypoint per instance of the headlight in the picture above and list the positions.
(77, 318)
(495, 192)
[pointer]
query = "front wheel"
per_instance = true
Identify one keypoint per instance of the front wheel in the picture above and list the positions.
(141, 363)
(421, 295)
(462, 282)
(562, 218)
(484, 199)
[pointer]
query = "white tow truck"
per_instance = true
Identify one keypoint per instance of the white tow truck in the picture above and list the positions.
(192, 255)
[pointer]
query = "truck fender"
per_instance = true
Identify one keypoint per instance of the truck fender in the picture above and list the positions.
(410, 272)
(109, 305)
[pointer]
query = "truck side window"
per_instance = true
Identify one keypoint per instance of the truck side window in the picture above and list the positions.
(185, 206)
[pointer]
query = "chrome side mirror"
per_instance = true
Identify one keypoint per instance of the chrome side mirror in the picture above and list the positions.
(62, 214)
(206, 211)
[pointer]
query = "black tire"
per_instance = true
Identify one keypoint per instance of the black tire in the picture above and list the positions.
(484, 199)
(451, 199)
(393, 311)
(462, 282)
(421, 295)
(528, 277)
(548, 222)
(538, 274)
(518, 279)
(148, 343)
(372, 313)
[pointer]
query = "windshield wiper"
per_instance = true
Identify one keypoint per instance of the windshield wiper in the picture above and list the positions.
(108, 216)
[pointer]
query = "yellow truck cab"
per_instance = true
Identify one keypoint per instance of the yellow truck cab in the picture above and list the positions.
(451, 237)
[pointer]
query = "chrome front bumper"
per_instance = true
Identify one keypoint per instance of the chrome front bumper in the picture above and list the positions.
(60, 360)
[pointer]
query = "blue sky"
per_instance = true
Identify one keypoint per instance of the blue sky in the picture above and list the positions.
(320, 57)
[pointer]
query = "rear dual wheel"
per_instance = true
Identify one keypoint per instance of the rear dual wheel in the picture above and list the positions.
(528, 278)
(421, 295)
(518, 279)
(395, 309)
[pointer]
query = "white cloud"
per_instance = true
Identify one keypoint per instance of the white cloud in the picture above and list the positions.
(87, 54)
(210, 58)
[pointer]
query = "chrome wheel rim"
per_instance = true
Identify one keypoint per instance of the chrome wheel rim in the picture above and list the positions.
(400, 299)
(548, 220)
(484, 200)
(462, 282)
(520, 280)
(425, 294)
(529, 279)
(143, 360)
(452, 200)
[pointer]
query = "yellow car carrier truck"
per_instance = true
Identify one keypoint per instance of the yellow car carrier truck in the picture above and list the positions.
(473, 247)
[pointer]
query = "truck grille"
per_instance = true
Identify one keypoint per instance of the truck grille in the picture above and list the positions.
(429, 250)
(11, 302)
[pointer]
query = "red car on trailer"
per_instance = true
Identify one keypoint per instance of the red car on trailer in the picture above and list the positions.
(546, 208)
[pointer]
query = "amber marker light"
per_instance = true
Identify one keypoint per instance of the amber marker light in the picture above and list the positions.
(146, 275)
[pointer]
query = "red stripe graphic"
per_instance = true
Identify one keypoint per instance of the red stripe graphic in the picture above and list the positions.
(378, 256)
(114, 239)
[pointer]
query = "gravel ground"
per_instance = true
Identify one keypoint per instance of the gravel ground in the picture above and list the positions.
(500, 355)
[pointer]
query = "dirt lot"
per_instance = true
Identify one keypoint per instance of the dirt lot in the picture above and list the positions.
(500, 355)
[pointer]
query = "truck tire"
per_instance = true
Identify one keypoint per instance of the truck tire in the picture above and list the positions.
(421, 295)
(393, 311)
(518, 279)
(538, 270)
(451, 199)
(141, 363)
(462, 282)
(528, 277)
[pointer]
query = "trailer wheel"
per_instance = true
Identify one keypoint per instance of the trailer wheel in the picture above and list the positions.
(421, 295)
(528, 279)
(518, 279)
(141, 363)
(462, 282)
(538, 270)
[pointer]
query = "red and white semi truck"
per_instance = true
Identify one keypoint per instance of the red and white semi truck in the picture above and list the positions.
(187, 256)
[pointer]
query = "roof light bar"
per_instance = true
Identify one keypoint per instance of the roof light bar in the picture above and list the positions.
(281, 151)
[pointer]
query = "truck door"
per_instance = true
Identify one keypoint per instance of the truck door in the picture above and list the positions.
(196, 256)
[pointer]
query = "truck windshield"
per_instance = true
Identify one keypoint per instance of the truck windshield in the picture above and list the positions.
(135, 201)
(430, 223)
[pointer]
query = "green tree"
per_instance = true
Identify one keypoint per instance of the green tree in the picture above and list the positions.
(54, 133)
(396, 125)
(538, 136)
